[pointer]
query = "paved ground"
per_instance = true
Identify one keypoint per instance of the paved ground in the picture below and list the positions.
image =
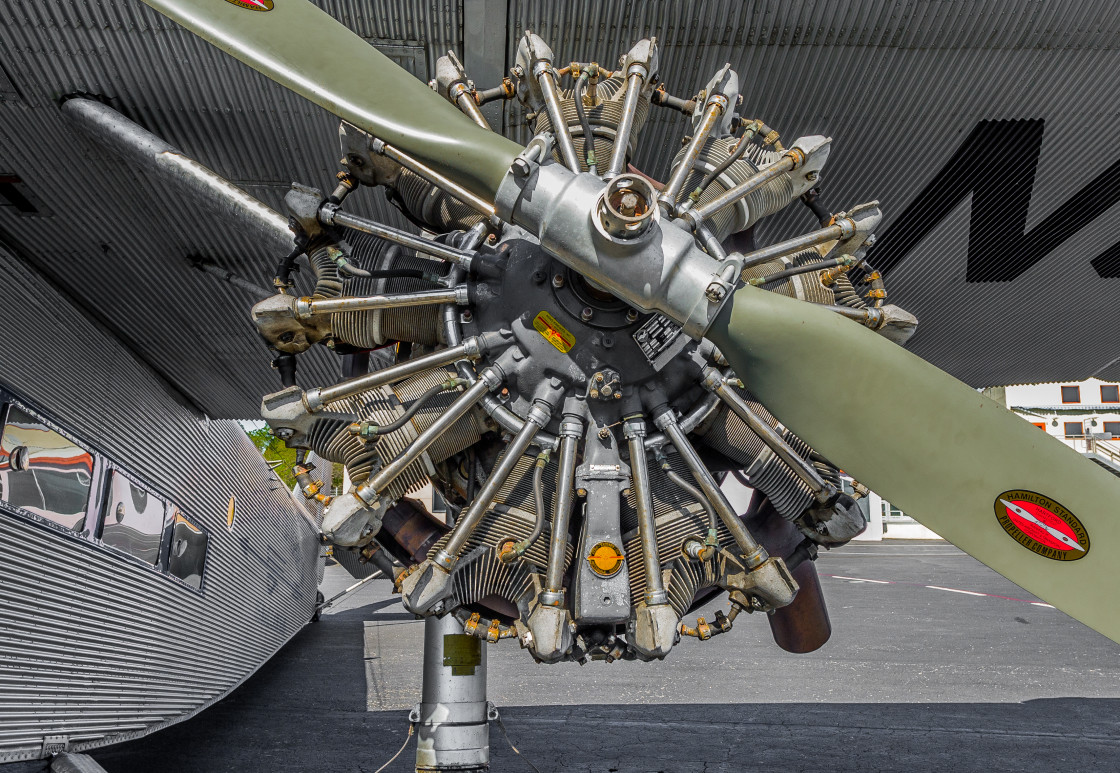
(915, 679)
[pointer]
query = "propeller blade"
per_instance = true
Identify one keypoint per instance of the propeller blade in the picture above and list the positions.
(303, 48)
(947, 455)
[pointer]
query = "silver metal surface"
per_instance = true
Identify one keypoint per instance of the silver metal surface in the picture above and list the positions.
(453, 728)
(634, 430)
(469, 349)
(309, 308)
(332, 216)
(571, 431)
(98, 647)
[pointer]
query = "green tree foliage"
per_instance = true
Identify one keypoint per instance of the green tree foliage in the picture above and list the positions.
(273, 450)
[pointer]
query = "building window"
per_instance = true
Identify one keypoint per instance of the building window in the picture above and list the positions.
(44, 473)
(187, 555)
(1071, 394)
(1074, 429)
(133, 520)
(1112, 428)
(1040, 424)
(1110, 393)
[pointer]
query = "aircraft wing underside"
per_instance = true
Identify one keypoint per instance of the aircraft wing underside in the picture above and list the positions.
(992, 158)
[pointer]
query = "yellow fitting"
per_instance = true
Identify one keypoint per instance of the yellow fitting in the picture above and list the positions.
(471, 625)
(494, 632)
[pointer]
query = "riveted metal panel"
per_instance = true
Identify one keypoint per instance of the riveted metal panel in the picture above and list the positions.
(95, 645)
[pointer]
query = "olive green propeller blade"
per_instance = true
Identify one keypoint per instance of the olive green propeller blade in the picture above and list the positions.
(1024, 503)
(301, 47)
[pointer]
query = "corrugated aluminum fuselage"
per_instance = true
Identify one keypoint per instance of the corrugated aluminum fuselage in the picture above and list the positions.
(97, 646)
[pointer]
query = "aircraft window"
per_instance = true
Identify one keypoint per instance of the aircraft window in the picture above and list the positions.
(1074, 429)
(44, 472)
(134, 519)
(187, 555)
(1112, 428)
(1110, 393)
(1071, 394)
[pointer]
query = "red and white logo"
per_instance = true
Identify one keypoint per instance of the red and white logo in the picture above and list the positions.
(1041, 525)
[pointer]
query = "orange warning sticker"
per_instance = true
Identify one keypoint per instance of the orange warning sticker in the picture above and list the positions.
(557, 334)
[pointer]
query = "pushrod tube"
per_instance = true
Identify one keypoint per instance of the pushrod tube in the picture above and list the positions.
(668, 196)
(332, 216)
(434, 177)
(823, 491)
(556, 116)
(753, 552)
(634, 82)
(839, 230)
(465, 526)
(464, 100)
(571, 430)
(700, 213)
(634, 430)
(317, 399)
(370, 490)
(306, 307)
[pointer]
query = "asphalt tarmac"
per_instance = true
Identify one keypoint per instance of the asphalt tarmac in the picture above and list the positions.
(936, 664)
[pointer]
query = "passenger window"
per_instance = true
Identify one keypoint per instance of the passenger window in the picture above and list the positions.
(134, 519)
(43, 472)
(187, 556)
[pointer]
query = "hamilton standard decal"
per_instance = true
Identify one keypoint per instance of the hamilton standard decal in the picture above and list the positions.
(252, 5)
(1041, 525)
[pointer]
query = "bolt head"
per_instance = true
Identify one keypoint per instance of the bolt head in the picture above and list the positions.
(520, 167)
(604, 433)
(586, 314)
(558, 281)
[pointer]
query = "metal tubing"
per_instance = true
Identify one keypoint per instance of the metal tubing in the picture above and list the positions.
(464, 100)
(634, 430)
(556, 116)
(434, 177)
(539, 415)
(370, 490)
(332, 216)
(306, 307)
(452, 726)
(798, 243)
(571, 430)
(823, 491)
(168, 164)
(753, 552)
(316, 399)
(701, 212)
(668, 195)
(634, 85)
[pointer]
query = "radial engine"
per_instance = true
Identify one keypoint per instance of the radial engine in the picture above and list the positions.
(583, 445)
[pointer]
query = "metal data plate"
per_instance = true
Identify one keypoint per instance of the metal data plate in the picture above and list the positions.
(660, 340)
